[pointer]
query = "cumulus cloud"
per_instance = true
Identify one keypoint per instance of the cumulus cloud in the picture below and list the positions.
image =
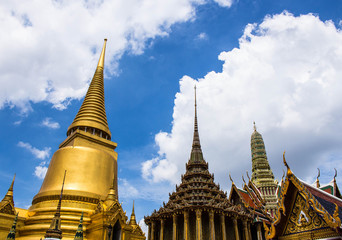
(47, 122)
(286, 76)
(50, 48)
(40, 154)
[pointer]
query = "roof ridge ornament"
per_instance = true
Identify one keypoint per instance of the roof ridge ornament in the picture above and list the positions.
(317, 179)
(289, 172)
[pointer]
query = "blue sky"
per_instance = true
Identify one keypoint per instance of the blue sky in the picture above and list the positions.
(273, 62)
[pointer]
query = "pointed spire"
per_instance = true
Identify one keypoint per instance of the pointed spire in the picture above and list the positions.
(79, 232)
(9, 194)
(7, 203)
(92, 115)
(133, 221)
(11, 234)
(111, 194)
(55, 228)
(317, 179)
(196, 151)
(254, 127)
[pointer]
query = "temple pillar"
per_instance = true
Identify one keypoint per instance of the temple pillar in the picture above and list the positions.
(186, 225)
(174, 229)
(149, 231)
(153, 231)
(245, 229)
(236, 229)
(249, 230)
(198, 224)
(259, 233)
(223, 227)
(211, 225)
(161, 229)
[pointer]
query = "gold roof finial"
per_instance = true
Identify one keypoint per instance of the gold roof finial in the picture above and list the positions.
(289, 172)
(230, 177)
(243, 179)
(92, 114)
(317, 179)
(133, 221)
(249, 179)
(254, 127)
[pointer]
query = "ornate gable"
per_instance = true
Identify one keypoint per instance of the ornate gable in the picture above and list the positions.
(7, 208)
(303, 217)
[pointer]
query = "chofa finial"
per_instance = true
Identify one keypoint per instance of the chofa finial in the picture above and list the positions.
(230, 177)
(289, 172)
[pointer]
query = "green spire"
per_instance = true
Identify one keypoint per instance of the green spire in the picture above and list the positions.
(11, 234)
(261, 171)
(79, 232)
(55, 228)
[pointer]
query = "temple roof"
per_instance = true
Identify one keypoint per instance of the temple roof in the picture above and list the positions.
(323, 204)
(197, 188)
(92, 113)
(7, 203)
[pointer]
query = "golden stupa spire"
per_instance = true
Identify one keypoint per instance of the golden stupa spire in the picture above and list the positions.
(133, 221)
(9, 194)
(55, 231)
(7, 203)
(92, 115)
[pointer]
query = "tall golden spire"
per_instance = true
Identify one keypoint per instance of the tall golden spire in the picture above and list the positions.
(9, 194)
(196, 151)
(55, 228)
(92, 115)
(133, 221)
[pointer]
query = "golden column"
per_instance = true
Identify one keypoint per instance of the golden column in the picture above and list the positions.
(174, 230)
(198, 224)
(249, 230)
(186, 225)
(211, 225)
(245, 229)
(259, 233)
(153, 230)
(223, 227)
(236, 229)
(161, 229)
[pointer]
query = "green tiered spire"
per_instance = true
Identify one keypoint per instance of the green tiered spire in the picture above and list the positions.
(79, 232)
(262, 175)
(55, 232)
(11, 234)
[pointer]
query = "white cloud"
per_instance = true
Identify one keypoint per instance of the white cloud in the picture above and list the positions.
(224, 3)
(143, 226)
(40, 171)
(40, 154)
(50, 48)
(202, 36)
(286, 76)
(47, 122)
(126, 190)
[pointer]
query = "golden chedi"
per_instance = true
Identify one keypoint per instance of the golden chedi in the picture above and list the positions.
(90, 188)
